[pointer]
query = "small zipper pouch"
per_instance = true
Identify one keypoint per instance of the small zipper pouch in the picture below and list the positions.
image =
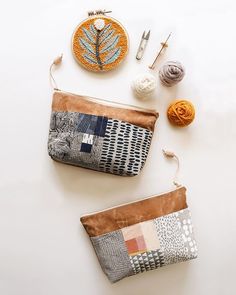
(143, 235)
(99, 135)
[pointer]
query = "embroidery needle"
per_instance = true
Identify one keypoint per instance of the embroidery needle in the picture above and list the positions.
(164, 45)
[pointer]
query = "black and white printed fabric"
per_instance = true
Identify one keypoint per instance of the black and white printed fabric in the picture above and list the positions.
(98, 143)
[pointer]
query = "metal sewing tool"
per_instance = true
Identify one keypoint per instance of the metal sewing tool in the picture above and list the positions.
(142, 45)
(163, 45)
(97, 12)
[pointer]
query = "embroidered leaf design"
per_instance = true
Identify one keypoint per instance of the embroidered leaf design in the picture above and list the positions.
(106, 37)
(105, 29)
(93, 30)
(88, 35)
(110, 44)
(100, 46)
(90, 59)
(112, 56)
(85, 45)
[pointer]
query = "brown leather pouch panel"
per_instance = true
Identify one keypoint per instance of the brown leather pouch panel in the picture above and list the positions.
(65, 102)
(116, 218)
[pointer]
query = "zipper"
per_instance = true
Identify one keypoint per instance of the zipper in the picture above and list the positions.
(132, 202)
(110, 103)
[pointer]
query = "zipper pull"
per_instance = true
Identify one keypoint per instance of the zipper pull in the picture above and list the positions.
(57, 61)
(172, 155)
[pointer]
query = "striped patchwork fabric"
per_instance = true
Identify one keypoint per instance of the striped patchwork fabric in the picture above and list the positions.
(107, 139)
(128, 242)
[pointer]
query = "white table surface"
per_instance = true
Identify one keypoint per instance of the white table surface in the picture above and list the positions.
(43, 247)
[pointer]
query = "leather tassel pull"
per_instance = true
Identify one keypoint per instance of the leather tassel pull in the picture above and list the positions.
(57, 61)
(169, 154)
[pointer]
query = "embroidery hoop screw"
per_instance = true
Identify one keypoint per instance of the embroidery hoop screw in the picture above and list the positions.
(99, 11)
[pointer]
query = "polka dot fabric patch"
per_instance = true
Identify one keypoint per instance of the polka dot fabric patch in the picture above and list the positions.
(100, 43)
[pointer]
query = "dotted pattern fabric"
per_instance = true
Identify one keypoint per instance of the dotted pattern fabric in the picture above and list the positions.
(175, 233)
(125, 148)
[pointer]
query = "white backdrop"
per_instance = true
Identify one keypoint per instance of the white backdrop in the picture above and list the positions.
(43, 247)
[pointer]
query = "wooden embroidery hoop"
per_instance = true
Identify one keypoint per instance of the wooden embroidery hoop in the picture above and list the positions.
(96, 61)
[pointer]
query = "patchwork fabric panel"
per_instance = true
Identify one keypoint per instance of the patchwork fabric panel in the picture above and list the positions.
(76, 138)
(141, 237)
(98, 143)
(146, 246)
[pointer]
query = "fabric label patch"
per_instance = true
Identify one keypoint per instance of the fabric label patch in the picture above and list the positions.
(141, 237)
(87, 138)
(87, 142)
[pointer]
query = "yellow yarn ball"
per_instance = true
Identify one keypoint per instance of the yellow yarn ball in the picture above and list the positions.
(181, 113)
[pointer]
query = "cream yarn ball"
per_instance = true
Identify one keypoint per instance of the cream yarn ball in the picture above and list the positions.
(144, 85)
(171, 73)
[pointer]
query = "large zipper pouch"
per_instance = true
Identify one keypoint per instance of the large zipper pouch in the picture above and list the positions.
(92, 133)
(143, 235)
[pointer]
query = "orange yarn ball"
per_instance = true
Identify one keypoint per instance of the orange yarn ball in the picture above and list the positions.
(181, 113)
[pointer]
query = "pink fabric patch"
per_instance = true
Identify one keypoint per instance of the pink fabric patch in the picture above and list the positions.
(141, 243)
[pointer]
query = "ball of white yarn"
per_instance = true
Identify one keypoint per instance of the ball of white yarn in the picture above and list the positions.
(171, 73)
(144, 85)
